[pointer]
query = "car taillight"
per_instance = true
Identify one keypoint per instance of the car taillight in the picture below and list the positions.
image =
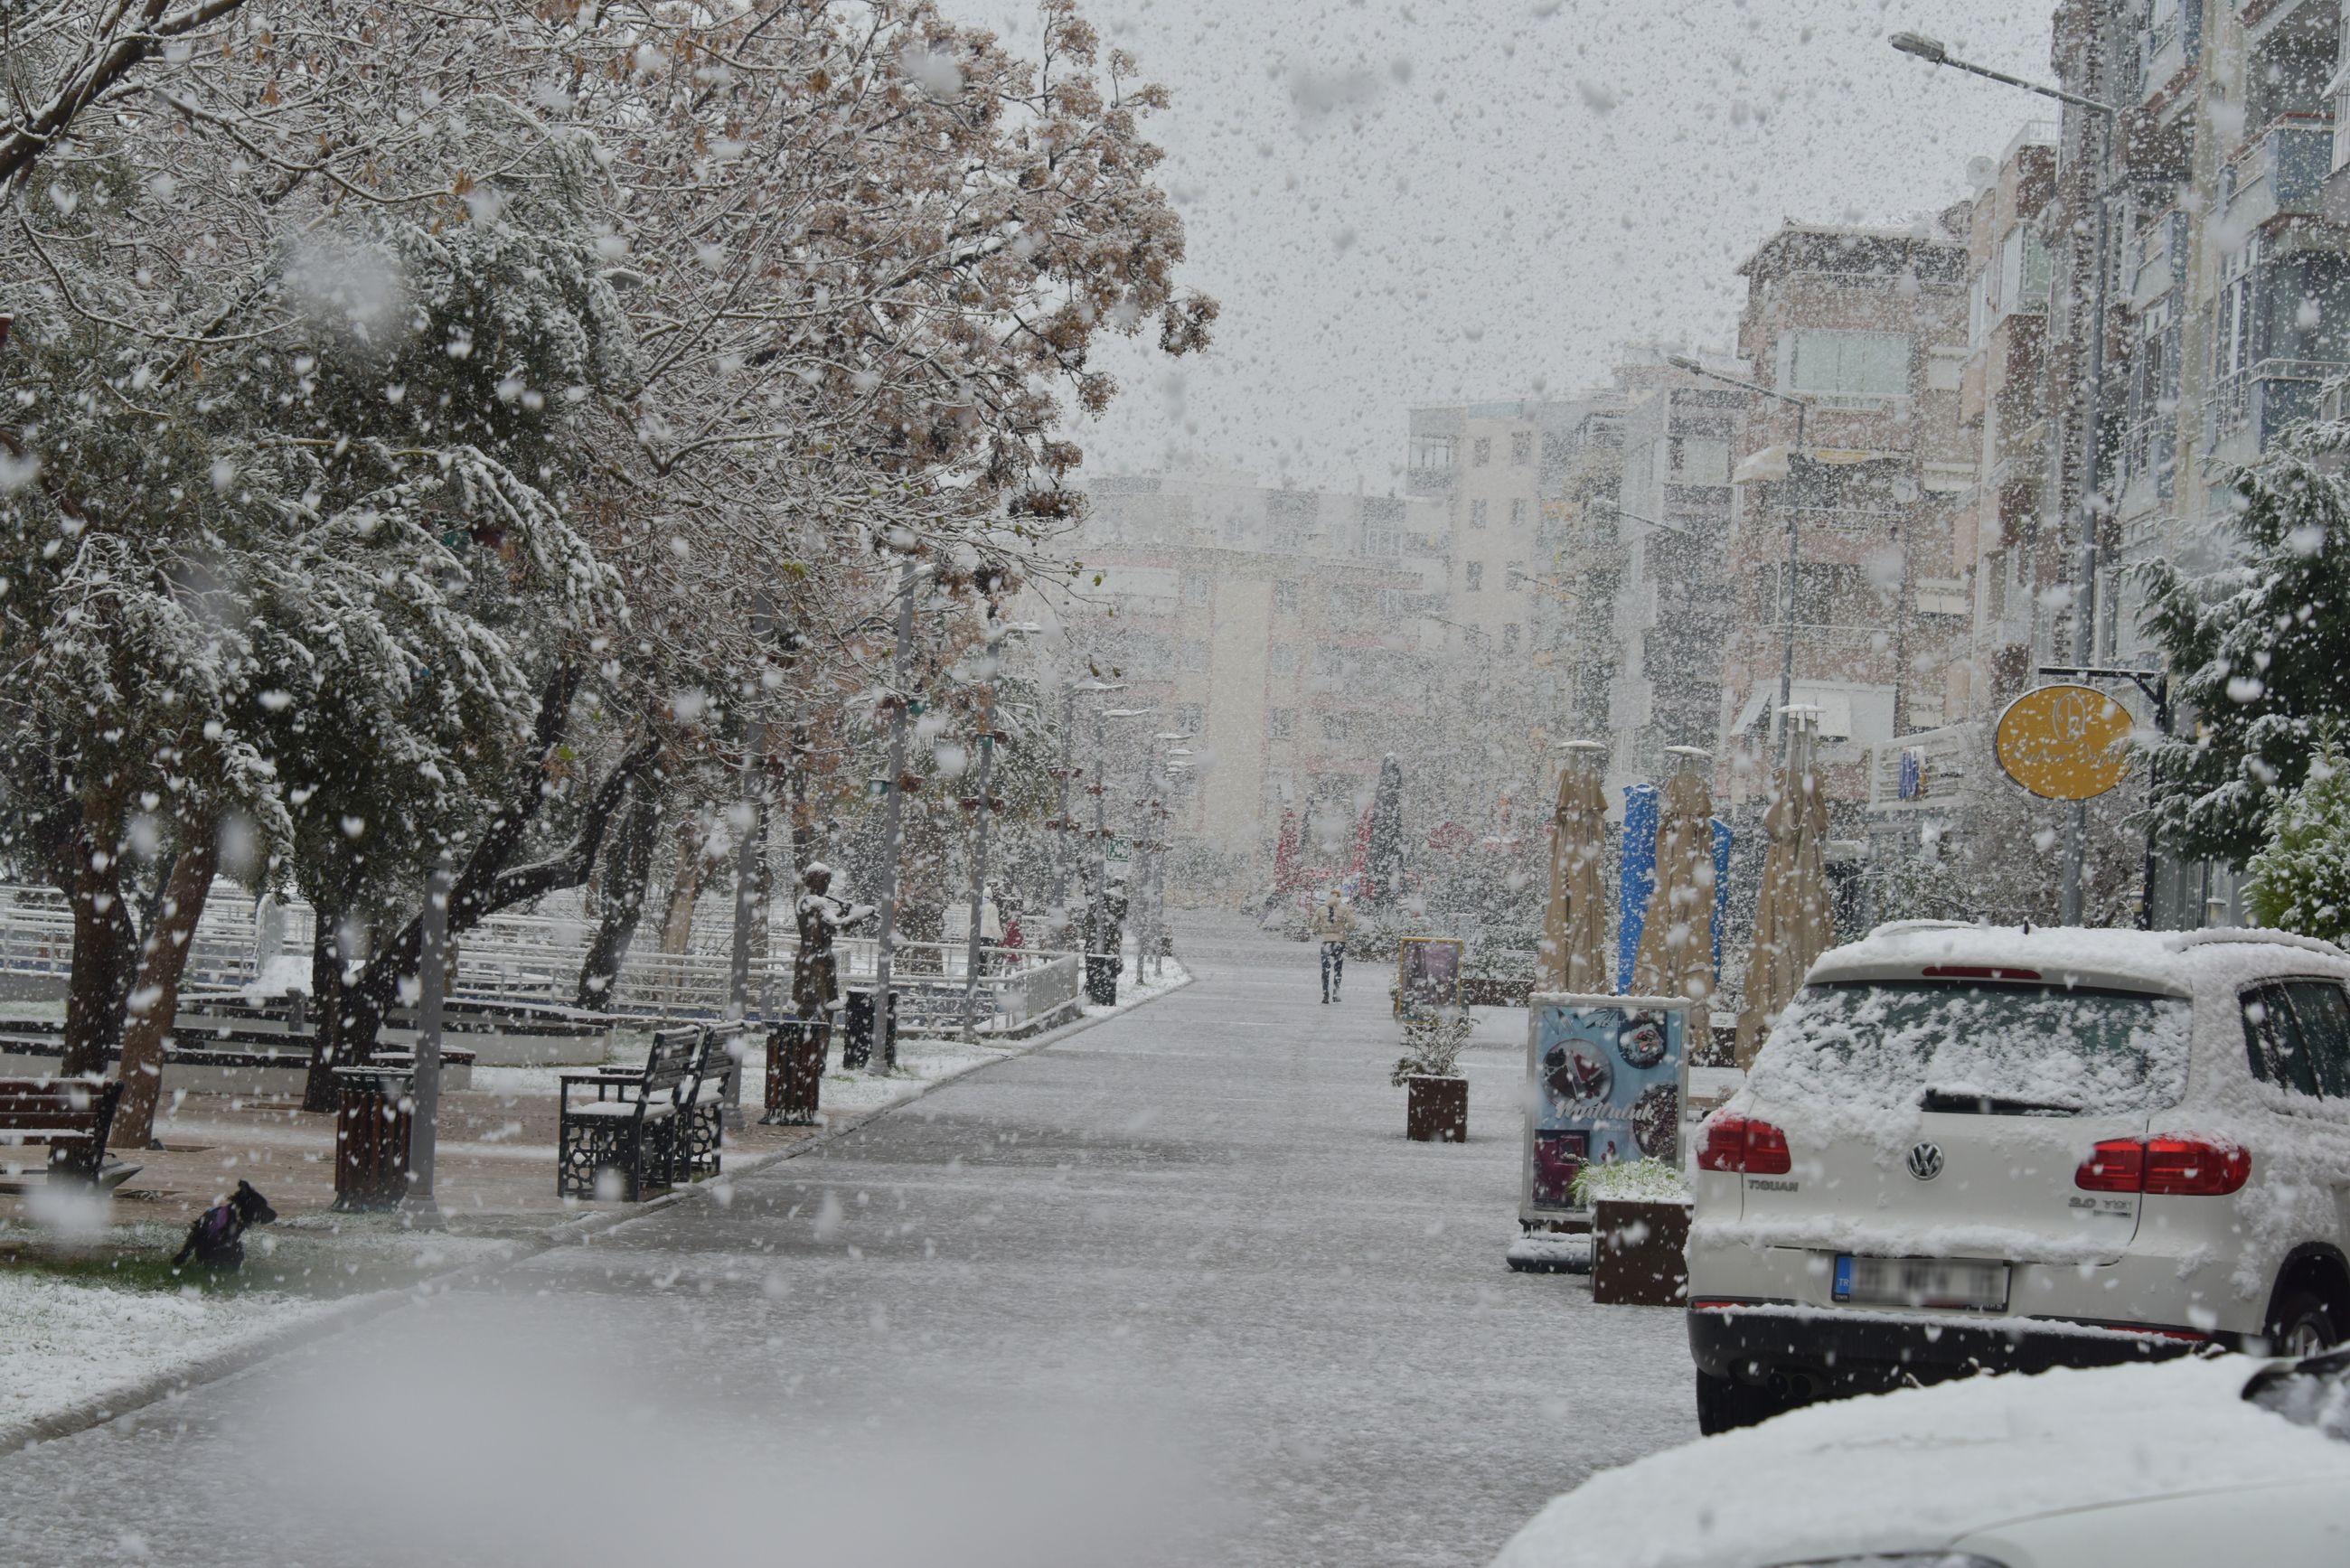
(1740, 1143)
(2191, 1168)
(2117, 1165)
(2167, 1167)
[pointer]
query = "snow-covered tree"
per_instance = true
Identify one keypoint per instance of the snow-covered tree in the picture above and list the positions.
(2299, 879)
(2256, 650)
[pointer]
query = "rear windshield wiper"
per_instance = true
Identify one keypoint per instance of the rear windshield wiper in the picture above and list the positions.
(1992, 1105)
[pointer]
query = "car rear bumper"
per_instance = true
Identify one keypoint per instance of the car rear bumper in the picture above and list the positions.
(1851, 1350)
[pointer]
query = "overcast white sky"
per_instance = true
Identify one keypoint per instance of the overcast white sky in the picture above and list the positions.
(1453, 199)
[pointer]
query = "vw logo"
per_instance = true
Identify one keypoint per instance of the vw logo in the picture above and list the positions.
(1926, 1161)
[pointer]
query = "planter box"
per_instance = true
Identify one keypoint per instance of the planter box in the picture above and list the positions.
(1636, 1258)
(1436, 1110)
(795, 1057)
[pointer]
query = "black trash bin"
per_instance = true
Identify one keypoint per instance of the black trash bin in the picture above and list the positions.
(1101, 979)
(857, 1045)
(372, 1122)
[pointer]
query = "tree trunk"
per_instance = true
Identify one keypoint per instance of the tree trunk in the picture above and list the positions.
(484, 886)
(103, 944)
(155, 998)
(325, 1010)
(684, 888)
(627, 870)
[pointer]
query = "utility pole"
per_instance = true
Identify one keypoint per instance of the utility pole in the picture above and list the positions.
(979, 856)
(2084, 595)
(894, 823)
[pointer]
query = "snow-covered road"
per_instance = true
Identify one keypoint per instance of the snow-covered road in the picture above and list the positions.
(1175, 1290)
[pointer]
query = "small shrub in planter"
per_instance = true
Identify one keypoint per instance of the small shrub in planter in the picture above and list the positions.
(1436, 1107)
(1639, 1231)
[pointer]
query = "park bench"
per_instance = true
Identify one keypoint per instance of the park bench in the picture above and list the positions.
(704, 1129)
(71, 1117)
(631, 1124)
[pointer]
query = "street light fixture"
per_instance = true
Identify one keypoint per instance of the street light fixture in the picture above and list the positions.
(2085, 598)
(1794, 527)
(1064, 825)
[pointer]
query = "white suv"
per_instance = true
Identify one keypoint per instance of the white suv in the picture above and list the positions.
(1971, 1147)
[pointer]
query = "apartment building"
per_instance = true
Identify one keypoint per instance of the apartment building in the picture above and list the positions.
(1866, 330)
(2225, 188)
(1674, 602)
(1292, 633)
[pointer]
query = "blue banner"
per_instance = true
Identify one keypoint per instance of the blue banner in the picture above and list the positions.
(1639, 882)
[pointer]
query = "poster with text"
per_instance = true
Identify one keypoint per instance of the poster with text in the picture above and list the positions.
(1606, 1077)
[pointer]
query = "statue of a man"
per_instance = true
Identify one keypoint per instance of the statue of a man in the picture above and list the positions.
(816, 972)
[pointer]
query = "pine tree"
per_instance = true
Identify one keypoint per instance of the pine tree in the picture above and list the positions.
(2300, 880)
(2256, 650)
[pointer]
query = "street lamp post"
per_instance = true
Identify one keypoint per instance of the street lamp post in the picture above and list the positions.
(981, 805)
(1065, 860)
(1794, 530)
(893, 822)
(1154, 814)
(1100, 788)
(2085, 596)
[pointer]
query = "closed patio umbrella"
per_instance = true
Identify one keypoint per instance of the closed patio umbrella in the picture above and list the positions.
(1575, 925)
(1791, 915)
(1676, 952)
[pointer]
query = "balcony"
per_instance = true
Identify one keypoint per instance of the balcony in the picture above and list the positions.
(2266, 397)
(2281, 173)
(1928, 770)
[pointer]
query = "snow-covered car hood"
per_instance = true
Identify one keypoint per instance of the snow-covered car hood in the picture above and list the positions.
(1914, 1470)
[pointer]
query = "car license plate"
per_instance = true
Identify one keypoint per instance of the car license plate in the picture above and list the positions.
(1975, 1283)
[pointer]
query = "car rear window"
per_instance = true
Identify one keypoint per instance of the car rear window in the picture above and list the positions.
(2019, 1049)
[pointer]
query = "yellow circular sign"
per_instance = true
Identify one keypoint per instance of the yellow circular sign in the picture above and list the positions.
(2065, 742)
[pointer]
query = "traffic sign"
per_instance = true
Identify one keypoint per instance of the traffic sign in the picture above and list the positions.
(2065, 742)
(1120, 850)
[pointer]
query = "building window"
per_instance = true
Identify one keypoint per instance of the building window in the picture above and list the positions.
(1509, 637)
(1476, 514)
(1518, 513)
(1279, 722)
(1846, 364)
(1695, 460)
(1514, 575)
(1522, 447)
(1196, 588)
(1190, 718)
(1481, 451)
(1333, 726)
(1432, 452)
(1476, 577)
(1284, 596)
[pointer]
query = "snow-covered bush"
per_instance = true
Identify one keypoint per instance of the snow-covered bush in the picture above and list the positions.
(1629, 1181)
(2300, 881)
(1432, 1041)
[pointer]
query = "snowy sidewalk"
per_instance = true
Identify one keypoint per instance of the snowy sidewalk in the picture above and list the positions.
(89, 1305)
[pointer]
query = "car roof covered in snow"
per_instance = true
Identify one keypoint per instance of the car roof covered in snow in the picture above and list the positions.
(2172, 962)
(1910, 1470)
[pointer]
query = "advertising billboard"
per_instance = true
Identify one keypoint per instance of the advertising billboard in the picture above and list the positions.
(1605, 1079)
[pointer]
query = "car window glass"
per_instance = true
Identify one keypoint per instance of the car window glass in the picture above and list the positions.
(2321, 1011)
(2256, 1035)
(2273, 1040)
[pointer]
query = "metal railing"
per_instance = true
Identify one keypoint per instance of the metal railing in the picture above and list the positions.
(537, 958)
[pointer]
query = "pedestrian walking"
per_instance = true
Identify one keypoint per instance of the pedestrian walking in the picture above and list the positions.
(1333, 923)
